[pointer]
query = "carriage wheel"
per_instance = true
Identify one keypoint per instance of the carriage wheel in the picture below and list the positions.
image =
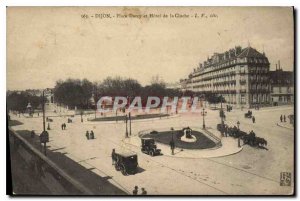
(151, 153)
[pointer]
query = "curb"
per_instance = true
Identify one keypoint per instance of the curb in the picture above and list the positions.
(284, 127)
(133, 121)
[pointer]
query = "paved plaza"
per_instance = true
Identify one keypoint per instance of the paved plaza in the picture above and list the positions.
(225, 170)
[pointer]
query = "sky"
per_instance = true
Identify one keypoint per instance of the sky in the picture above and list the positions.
(45, 44)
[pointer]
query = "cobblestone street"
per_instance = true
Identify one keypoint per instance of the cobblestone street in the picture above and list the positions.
(199, 171)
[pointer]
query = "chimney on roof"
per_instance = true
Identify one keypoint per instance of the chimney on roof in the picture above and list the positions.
(279, 64)
(276, 67)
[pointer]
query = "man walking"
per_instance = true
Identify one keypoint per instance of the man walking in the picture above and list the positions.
(172, 146)
(253, 119)
(280, 118)
(32, 134)
(87, 135)
(92, 136)
(284, 118)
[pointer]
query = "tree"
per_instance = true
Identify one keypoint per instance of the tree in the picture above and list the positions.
(87, 89)
(215, 99)
(74, 92)
(18, 101)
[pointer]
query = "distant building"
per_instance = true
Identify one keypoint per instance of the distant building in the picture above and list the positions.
(175, 85)
(239, 75)
(282, 86)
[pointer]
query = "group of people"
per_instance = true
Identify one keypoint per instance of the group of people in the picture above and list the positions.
(63, 126)
(228, 108)
(256, 107)
(282, 118)
(136, 190)
(90, 135)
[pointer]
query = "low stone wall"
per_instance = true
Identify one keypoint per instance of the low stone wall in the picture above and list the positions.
(56, 179)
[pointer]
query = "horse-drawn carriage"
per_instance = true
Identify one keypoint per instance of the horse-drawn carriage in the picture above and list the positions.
(70, 120)
(149, 147)
(127, 163)
(250, 139)
(248, 114)
(221, 127)
(254, 141)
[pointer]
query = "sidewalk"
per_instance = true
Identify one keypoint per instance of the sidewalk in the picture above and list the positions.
(285, 125)
(97, 184)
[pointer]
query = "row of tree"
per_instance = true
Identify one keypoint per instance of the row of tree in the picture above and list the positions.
(83, 94)
(18, 101)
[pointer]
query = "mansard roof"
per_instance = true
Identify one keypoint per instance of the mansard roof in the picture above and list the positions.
(251, 52)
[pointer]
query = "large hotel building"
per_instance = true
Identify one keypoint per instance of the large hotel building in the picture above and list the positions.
(239, 75)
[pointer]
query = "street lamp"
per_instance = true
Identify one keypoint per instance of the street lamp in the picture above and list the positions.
(126, 120)
(116, 115)
(222, 111)
(203, 113)
(130, 123)
(172, 143)
(239, 140)
(44, 137)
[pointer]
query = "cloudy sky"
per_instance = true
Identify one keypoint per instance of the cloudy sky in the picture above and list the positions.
(47, 44)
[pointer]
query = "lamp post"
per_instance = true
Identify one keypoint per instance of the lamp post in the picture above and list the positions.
(129, 123)
(126, 120)
(222, 112)
(172, 143)
(116, 115)
(203, 113)
(44, 137)
(239, 140)
(43, 107)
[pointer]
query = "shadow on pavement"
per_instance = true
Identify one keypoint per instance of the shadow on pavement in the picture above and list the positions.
(95, 183)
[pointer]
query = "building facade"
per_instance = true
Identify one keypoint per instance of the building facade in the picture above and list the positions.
(282, 87)
(239, 75)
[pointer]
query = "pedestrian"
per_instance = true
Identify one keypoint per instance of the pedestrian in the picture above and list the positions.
(92, 136)
(280, 118)
(172, 146)
(62, 126)
(32, 134)
(135, 190)
(113, 156)
(253, 119)
(144, 192)
(65, 126)
(284, 119)
(87, 135)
